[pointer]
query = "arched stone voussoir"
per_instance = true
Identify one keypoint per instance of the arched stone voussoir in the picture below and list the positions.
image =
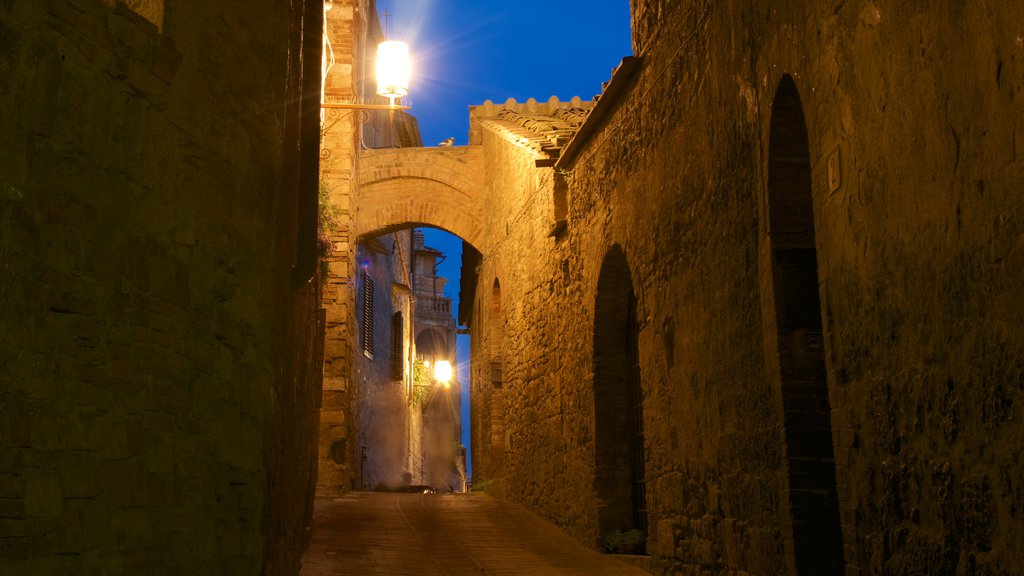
(460, 167)
(396, 204)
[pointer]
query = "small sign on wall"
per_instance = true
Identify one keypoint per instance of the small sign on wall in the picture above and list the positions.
(835, 178)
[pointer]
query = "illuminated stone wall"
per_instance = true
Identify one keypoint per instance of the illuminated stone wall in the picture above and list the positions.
(337, 467)
(353, 383)
(914, 132)
(159, 370)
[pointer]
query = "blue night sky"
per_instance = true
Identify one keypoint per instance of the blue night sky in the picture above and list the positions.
(467, 51)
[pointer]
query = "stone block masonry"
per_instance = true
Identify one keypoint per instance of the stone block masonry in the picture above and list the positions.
(910, 317)
(810, 211)
(415, 185)
(338, 455)
(156, 365)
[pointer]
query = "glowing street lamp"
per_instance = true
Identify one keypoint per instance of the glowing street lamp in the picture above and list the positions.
(393, 69)
(443, 373)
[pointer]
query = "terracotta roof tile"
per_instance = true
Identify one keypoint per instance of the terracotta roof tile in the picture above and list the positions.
(544, 128)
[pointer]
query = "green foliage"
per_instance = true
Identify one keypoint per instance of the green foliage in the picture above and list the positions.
(420, 382)
(480, 486)
(329, 222)
(327, 225)
(420, 373)
(625, 542)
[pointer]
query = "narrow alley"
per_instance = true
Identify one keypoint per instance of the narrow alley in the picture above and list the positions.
(734, 283)
(368, 533)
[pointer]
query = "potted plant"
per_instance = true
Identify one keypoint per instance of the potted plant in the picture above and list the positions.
(625, 542)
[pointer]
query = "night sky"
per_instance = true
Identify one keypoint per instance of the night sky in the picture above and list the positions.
(467, 51)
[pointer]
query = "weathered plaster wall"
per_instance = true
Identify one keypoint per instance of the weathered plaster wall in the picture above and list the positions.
(150, 338)
(384, 408)
(919, 253)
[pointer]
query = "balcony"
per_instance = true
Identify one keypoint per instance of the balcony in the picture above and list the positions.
(434, 305)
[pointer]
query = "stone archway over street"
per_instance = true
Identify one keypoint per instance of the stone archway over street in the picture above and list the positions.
(438, 187)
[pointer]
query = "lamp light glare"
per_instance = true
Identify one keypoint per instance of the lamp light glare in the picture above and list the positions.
(443, 372)
(393, 69)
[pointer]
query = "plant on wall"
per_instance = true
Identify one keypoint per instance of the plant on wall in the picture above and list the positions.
(625, 542)
(327, 226)
(421, 382)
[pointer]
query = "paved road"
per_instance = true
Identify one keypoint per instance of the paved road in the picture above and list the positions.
(368, 533)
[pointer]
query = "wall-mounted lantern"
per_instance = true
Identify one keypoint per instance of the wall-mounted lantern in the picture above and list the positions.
(393, 69)
(443, 373)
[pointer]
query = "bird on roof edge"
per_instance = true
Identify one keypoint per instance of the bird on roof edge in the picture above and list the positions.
(447, 141)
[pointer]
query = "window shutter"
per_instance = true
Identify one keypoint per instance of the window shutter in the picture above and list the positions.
(397, 347)
(367, 315)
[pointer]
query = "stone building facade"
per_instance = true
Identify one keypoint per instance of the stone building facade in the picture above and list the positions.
(781, 255)
(405, 424)
(783, 251)
(375, 430)
(159, 330)
(444, 466)
(382, 374)
(350, 375)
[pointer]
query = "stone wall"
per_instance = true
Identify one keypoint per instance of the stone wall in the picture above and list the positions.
(337, 471)
(155, 359)
(913, 118)
(515, 335)
(354, 33)
(439, 187)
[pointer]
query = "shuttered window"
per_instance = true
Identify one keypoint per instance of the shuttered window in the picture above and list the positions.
(367, 315)
(397, 347)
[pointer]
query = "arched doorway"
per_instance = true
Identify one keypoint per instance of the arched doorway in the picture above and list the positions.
(619, 479)
(433, 344)
(814, 506)
(496, 328)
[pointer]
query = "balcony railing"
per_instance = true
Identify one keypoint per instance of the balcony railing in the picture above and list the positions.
(432, 304)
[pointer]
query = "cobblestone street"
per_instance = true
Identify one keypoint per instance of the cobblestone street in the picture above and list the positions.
(367, 533)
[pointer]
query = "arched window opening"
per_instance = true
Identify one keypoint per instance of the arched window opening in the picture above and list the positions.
(619, 478)
(496, 327)
(814, 505)
(497, 334)
(433, 344)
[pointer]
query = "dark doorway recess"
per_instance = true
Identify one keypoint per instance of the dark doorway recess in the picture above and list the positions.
(817, 535)
(618, 402)
(497, 329)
